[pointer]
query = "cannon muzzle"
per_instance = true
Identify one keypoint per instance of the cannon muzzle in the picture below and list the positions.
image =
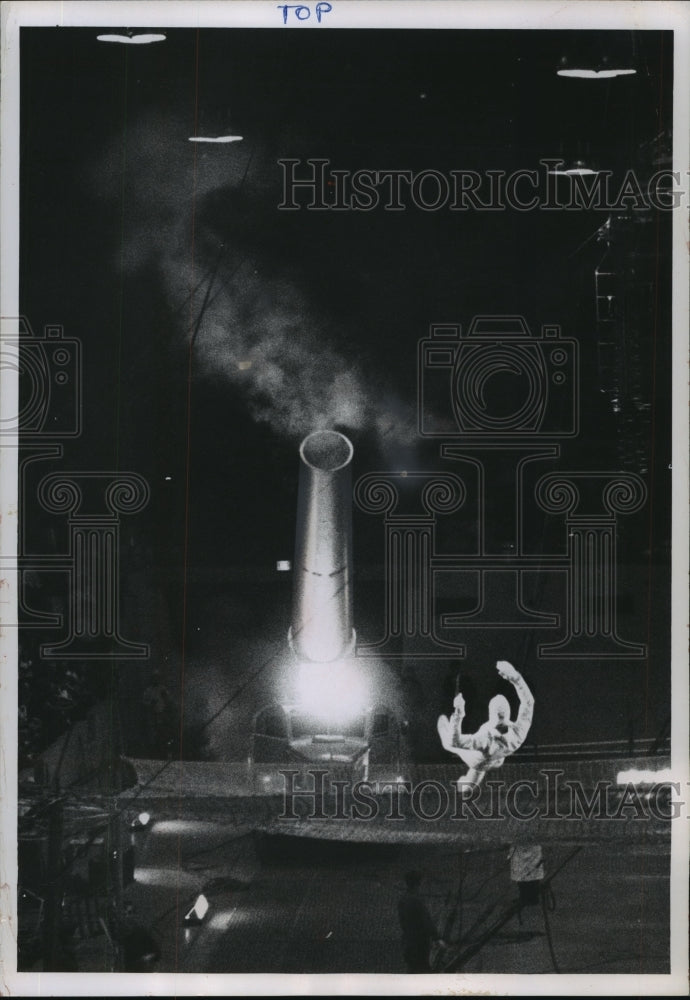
(321, 629)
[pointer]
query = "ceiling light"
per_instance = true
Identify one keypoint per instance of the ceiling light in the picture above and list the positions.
(217, 138)
(578, 168)
(595, 74)
(647, 777)
(142, 39)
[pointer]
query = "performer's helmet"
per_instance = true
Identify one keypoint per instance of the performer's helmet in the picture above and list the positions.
(499, 709)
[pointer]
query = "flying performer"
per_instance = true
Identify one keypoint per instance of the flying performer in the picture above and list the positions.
(499, 737)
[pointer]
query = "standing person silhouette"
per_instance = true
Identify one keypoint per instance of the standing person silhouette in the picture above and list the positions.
(159, 710)
(496, 739)
(417, 925)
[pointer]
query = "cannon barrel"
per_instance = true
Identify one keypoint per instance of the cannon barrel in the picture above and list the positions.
(321, 629)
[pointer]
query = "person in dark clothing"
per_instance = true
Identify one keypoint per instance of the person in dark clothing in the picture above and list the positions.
(139, 950)
(159, 710)
(527, 870)
(418, 928)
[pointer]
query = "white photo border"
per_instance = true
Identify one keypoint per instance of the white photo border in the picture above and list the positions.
(440, 15)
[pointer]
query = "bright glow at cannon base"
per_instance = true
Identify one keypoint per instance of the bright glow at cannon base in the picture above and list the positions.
(335, 691)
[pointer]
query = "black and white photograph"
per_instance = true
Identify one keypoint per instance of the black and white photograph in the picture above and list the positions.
(344, 457)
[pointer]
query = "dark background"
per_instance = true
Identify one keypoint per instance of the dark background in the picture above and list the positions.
(171, 263)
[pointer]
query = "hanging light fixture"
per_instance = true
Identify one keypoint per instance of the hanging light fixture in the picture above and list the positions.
(575, 168)
(604, 57)
(129, 38)
(584, 73)
(216, 138)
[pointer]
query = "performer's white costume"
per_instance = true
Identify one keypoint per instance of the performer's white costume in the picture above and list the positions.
(496, 739)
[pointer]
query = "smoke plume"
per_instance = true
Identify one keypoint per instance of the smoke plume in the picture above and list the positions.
(249, 320)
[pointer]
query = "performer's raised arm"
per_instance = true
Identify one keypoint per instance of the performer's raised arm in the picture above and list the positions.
(463, 741)
(450, 729)
(524, 718)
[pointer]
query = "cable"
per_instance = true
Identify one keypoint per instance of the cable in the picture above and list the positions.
(548, 902)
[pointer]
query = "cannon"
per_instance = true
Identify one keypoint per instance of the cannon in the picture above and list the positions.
(334, 719)
(321, 630)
